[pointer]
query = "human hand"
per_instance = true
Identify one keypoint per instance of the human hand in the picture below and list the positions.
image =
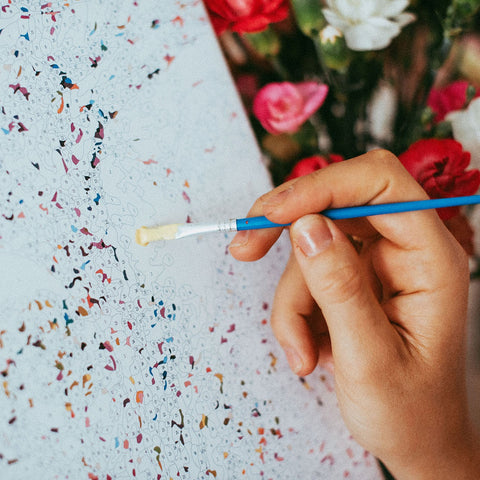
(387, 310)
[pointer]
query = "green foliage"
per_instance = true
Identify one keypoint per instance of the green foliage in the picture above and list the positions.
(309, 16)
(460, 16)
(266, 42)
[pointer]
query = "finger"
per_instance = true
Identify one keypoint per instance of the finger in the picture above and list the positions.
(334, 276)
(357, 181)
(250, 245)
(297, 322)
(354, 182)
(376, 177)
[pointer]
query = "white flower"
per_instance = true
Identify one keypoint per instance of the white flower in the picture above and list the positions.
(466, 129)
(368, 24)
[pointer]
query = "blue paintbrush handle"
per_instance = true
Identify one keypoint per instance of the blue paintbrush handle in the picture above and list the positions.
(255, 223)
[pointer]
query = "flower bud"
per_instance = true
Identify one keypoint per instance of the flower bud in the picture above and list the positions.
(333, 49)
(427, 116)
(266, 43)
(309, 16)
(471, 93)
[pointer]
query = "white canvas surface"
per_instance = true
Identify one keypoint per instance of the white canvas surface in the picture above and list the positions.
(119, 361)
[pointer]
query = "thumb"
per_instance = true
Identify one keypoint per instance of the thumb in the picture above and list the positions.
(334, 274)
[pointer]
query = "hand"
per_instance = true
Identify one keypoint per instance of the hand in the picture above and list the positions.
(383, 301)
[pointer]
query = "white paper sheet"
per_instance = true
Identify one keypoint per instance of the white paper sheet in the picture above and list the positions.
(120, 361)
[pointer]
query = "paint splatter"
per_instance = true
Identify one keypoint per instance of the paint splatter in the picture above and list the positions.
(137, 363)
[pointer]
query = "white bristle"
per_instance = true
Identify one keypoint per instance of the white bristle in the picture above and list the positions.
(145, 235)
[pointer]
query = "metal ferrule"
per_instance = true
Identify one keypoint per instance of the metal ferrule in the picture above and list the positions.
(188, 229)
(228, 226)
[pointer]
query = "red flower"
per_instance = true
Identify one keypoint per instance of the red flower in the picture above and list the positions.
(310, 164)
(447, 99)
(247, 86)
(440, 168)
(245, 15)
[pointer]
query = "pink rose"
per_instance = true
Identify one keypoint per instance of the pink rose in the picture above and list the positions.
(245, 15)
(311, 164)
(447, 99)
(284, 107)
(440, 167)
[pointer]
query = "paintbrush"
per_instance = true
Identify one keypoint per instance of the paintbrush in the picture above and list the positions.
(145, 235)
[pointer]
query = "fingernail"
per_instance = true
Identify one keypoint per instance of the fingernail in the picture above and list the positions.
(312, 235)
(294, 360)
(240, 239)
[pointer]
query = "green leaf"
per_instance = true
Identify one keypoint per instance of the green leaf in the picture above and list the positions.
(266, 42)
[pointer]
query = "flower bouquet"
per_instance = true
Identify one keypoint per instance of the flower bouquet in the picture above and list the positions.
(325, 81)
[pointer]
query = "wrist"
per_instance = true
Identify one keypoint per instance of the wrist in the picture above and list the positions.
(460, 459)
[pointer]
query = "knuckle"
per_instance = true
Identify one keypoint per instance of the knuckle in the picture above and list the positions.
(385, 158)
(342, 284)
(394, 173)
(258, 207)
(263, 198)
(385, 161)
